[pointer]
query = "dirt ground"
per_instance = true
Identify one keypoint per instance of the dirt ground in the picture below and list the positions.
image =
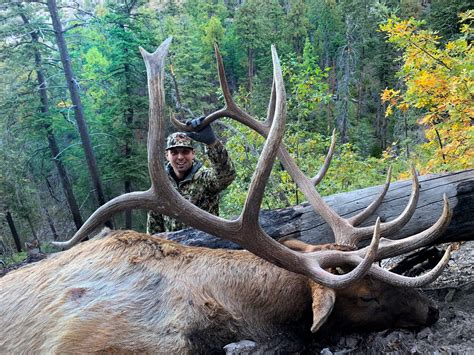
(452, 334)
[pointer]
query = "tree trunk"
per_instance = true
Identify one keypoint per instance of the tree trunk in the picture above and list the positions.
(360, 97)
(302, 223)
(405, 128)
(51, 223)
(332, 79)
(76, 101)
(342, 105)
(128, 117)
(343, 111)
(11, 225)
(52, 143)
(32, 227)
(250, 72)
(343, 86)
(383, 131)
(381, 124)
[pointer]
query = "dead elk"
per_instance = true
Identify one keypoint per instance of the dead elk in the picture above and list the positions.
(130, 292)
(134, 293)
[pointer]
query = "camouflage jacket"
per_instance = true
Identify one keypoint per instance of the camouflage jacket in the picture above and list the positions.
(201, 186)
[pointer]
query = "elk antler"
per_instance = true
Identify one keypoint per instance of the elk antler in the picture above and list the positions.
(246, 231)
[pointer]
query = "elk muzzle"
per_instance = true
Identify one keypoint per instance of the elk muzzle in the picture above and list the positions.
(371, 305)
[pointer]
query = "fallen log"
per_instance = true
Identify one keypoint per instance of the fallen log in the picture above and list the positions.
(302, 223)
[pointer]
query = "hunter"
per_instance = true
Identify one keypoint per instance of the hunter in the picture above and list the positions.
(197, 183)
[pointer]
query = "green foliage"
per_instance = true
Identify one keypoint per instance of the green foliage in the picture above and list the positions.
(444, 16)
(251, 26)
(48, 248)
(298, 25)
(214, 31)
(14, 259)
(307, 88)
(319, 43)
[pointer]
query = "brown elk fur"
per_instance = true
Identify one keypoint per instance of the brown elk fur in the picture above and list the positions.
(130, 292)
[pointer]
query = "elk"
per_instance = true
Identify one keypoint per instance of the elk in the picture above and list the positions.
(131, 292)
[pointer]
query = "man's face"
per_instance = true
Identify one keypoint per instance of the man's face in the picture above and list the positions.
(181, 160)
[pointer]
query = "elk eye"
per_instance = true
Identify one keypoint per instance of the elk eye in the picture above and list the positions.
(367, 299)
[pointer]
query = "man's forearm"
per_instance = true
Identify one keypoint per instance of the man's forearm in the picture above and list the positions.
(221, 163)
(214, 144)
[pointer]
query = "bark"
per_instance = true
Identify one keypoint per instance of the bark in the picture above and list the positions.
(11, 225)
(76, 101)
(302, 223)
(52, 143)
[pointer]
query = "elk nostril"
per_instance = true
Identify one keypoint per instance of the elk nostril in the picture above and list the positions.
(433, 315)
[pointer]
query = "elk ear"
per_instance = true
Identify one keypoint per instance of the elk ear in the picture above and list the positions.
(323, 303)
(298, 245)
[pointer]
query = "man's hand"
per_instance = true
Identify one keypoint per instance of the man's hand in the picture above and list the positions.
(204, 135)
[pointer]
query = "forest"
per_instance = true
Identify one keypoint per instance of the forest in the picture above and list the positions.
(393, 78)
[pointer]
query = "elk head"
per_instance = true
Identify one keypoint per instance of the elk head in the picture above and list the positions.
(245, 230)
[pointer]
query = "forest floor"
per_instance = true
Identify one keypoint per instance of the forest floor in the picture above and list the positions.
(453, 333)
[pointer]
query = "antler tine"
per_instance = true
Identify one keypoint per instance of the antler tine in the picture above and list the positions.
(406, 281)
(270, 149)
(394, 225)
(156, 131)
(231, 109)
(362, 216)
(139, 199)
(271, 107)
(322, 172)
(389, 248)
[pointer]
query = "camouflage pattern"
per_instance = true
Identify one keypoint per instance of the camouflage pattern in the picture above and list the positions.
(179, 139)
(201, 186)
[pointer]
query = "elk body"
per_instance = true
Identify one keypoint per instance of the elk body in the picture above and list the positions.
(130, 292)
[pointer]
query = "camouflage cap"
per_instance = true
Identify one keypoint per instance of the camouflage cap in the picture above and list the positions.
(179, 139)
